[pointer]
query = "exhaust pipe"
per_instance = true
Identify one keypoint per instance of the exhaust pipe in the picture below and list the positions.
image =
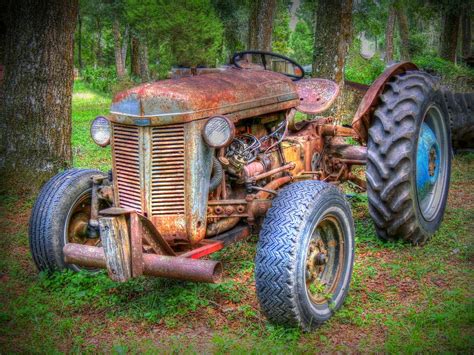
(172, 267)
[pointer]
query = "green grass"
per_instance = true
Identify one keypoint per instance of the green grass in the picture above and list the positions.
(403, 299)
(86, 105)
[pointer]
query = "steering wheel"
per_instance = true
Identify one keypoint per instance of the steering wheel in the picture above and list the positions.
(237, 57)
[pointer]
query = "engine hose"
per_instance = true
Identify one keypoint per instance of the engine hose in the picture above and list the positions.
(217, 174)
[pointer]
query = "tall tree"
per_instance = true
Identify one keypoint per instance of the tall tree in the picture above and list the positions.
(332, 39)
(466, 34)
(143, 62)
(403, 30)
(261, 19)
(389, 34)
(120, 48)
(35, 112)
(135, 56)
(449, 35)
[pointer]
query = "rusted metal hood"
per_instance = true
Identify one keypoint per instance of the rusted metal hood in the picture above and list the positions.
(201, 96)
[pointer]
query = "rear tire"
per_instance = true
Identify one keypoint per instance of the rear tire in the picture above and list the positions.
(305, 255)
(409, 159)
(52, 213)
(461, 118)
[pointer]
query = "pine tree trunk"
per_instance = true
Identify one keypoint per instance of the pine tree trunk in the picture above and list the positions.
(403, 30)
(143, 59)
(35, 107)
(332, 39)
(135, 56)
(466, 34)
(261, 24)
(119, 64)
(449, 36)
(389, 35)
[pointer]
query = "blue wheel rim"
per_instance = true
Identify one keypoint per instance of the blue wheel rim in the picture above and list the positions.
(431, 163)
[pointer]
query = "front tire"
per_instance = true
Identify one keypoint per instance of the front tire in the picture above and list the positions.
(305, 255)
(409, 159)
(59, 216)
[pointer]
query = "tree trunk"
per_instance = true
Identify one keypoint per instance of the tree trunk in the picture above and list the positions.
(332, 39)
(261, 24)
(135, 56)
(389, 35)
(143, 59)
(119, 63)
(35, 111)
(449, 36)
(403, 31)
(466, 34)
(79, 41)
(125, 40)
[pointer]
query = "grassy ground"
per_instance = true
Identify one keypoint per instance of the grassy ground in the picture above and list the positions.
(402, 299)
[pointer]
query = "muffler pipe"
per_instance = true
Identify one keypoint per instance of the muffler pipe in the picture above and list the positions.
(172, 267)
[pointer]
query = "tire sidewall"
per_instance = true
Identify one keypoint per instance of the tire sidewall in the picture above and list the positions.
(335, 205)
(435, 98)
(75, 190)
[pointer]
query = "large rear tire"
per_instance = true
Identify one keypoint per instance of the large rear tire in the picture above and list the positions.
(461, 118)
(409, 159)
(305, 255)
(59, 216)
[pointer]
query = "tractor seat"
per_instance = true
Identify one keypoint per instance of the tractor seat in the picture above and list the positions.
(316, 95)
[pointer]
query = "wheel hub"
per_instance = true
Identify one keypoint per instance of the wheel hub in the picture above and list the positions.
(427, 164)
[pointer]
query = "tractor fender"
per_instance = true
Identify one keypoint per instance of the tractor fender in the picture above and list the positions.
(363, 117)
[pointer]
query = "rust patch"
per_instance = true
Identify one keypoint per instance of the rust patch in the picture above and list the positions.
(316, 95)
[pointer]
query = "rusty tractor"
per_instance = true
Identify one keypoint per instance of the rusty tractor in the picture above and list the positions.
(213, 156)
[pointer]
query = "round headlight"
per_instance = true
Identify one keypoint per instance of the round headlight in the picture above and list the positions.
(100, 131)
(218, 131)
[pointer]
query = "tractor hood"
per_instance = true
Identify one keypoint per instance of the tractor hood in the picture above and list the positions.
(237, 93)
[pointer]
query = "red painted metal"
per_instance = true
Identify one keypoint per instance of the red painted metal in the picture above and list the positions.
(363, 117)
(209, 247)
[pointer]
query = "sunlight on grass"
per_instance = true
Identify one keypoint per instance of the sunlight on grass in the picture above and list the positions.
(86, 105)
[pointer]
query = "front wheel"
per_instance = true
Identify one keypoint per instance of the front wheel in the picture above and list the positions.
(305, 255)
(60, 216)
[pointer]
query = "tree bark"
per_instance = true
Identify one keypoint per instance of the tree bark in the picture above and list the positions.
(466, 34)
(118, 50)
(449, 35)
(332, 39)
(35, 107)
(389, 34)
(135, 56)
(143, 60)
(403, 31)
(261, 19)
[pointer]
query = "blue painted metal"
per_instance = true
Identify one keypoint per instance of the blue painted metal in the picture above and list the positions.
(427, 144)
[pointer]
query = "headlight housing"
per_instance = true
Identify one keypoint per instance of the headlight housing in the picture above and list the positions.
(101, 131)
(218, 131)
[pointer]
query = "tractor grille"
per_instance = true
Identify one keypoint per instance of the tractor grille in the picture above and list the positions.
(126, 152)
(167, 170)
